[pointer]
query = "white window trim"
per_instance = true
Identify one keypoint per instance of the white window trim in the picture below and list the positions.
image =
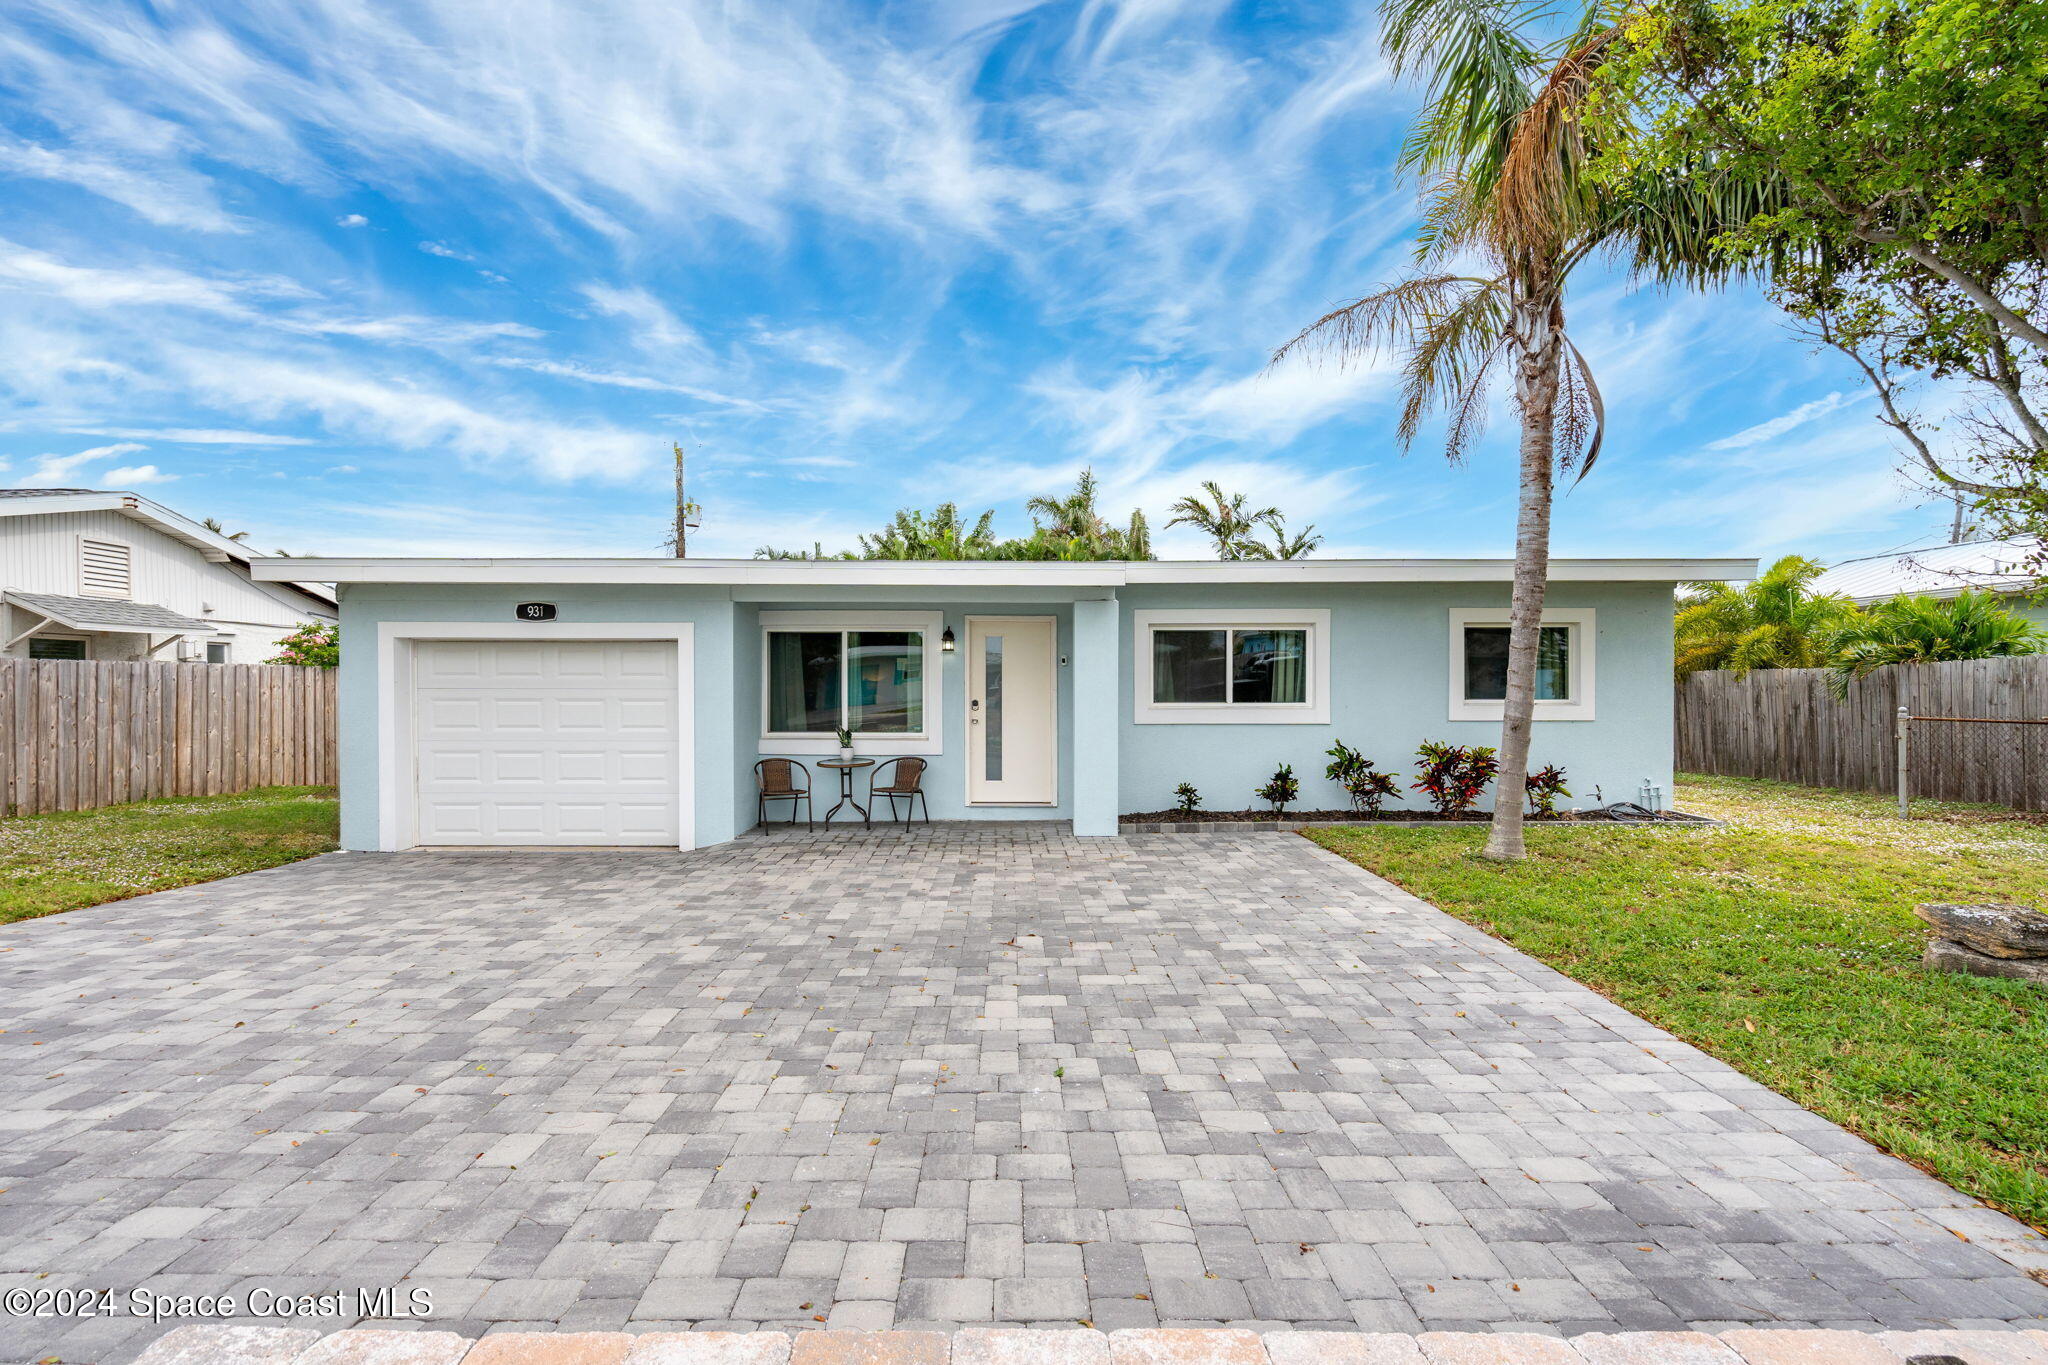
(1579, 706)
(397, 806)
(1314, 711)
(128, 564)
(926, 741)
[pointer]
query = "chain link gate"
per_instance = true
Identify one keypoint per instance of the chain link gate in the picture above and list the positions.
(1986, 759)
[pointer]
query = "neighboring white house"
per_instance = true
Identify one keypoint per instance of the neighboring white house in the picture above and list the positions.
(88, 574)
(2000, 566)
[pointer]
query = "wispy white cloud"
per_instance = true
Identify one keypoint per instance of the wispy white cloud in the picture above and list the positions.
(352, 220)
(133, 476)
(251, 299)
(200, 436)
(1797, 417)
(57, 469)
(167, 196)
(584, 374)
(649, 108)
(409, 417)
(655, 326)
(443, 249)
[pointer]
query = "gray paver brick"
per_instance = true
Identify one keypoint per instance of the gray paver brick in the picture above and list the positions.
(621, 1090)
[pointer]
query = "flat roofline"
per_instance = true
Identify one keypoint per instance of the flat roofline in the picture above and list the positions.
(1009, 573)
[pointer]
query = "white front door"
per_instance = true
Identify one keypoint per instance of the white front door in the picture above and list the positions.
(546, 741)
(1012, 710)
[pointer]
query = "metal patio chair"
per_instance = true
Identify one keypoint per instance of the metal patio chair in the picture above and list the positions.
(782, 779)
(901, 779)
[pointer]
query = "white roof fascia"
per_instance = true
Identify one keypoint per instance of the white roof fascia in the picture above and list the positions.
(983, 573)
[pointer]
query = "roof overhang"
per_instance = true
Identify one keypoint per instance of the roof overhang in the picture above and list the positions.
(79, 614)
(984, 573)
(211, 545)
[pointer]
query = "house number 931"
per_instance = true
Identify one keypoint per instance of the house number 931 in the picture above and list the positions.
(535, 611)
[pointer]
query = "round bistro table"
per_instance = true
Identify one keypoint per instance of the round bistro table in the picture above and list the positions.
(846, 767)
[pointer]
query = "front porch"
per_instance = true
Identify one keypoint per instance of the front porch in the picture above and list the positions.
(1005, 704)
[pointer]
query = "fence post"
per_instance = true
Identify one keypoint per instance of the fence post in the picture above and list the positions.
(1905, 793)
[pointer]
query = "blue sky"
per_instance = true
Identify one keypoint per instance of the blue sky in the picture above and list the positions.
(447, 278)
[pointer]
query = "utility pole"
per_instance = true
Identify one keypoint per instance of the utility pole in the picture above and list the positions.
(687, 513)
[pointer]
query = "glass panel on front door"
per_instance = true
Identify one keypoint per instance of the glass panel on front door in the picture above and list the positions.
(992, 707)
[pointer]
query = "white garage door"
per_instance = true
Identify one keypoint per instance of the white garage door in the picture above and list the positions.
(545, 742)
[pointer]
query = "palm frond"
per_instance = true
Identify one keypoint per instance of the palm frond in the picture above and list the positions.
(1378, 321)
(1582, 446)
(1542, 197)
(1448, 359)
(1479, 67)
(1453, 219)
(1668, 225)
(1469, 407)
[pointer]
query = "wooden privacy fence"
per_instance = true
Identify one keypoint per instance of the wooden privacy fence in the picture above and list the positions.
(1786, 723)
(75, 734)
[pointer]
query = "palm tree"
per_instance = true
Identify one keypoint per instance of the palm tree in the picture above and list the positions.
(1071, 527)
(1224, 520)
(1072, 517)
(1298, 545)
(213, 524)
(1773, 621)
(1135, 540)
(1503, 146)
(943, 535)
(1076, 532)
(1921, 630)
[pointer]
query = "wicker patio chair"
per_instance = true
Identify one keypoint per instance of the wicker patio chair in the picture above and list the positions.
(901, 779)
(782, 779)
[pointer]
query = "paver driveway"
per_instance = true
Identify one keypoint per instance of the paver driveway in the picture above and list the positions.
(946, 1077)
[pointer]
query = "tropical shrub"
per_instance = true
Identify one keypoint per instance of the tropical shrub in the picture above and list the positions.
(1189, 797)
(1365, 784)
(315, 644)
(1925, 630)
(1454, 776)
(1282, 787)
(1775, 621)
(1544, 786)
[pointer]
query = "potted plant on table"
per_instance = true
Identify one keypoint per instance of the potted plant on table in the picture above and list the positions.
(845, 745)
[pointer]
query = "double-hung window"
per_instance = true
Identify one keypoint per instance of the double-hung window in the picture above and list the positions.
(1479, 664)
(1232, 667)
(874, 674)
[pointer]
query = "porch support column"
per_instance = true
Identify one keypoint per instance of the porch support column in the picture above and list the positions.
(1098, 696)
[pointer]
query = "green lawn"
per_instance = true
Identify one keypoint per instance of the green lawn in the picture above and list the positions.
(1786, 946)
(74, 858)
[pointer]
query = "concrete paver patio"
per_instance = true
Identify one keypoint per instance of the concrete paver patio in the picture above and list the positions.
(969, 1075)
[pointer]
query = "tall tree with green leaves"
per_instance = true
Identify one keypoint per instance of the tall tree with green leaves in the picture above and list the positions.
(1775, 620)
(1897, 185)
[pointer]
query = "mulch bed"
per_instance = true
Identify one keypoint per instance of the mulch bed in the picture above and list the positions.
(1221, 817)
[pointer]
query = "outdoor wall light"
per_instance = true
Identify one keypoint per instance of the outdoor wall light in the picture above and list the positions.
(946, 643)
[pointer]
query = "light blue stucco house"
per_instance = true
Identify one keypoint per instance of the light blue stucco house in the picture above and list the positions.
(626, 701)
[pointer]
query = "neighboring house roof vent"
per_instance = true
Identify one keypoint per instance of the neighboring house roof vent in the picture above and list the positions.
(105, 568)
